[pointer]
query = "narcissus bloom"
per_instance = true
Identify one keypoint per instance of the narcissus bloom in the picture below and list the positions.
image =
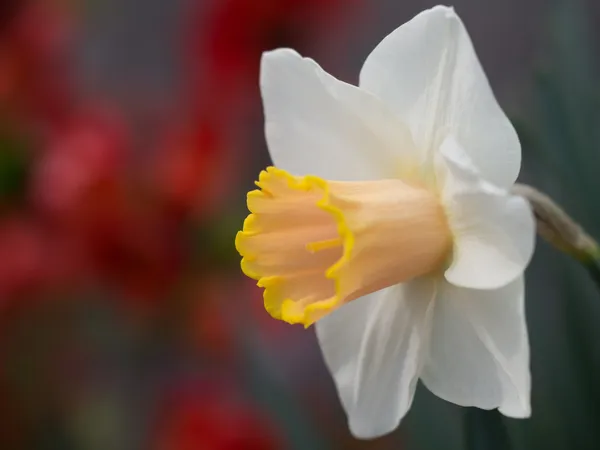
(388, 221)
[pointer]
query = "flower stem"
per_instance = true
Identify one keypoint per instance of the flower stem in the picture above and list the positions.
(560, 230)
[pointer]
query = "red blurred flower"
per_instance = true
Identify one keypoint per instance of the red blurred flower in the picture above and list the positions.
(212, 417)
(140, 256)
(85, 191)
(84, 155)
(21, 256)
(33, 260)
(35, 77)
(189, 171)
(238, 31)
(210, 325)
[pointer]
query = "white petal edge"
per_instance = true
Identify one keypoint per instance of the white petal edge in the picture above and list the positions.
(429, 74)
(316, 124)
(479, 351)
(374, 348)
(494, 231)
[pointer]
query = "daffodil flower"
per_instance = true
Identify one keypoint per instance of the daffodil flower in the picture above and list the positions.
(388, 223)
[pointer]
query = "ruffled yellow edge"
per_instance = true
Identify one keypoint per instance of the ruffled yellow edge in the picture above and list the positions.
(286, 309)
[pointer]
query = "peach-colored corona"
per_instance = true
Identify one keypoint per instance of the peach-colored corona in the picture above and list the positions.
(314, 245)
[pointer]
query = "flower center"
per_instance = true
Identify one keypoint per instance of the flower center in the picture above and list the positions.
(315, 245)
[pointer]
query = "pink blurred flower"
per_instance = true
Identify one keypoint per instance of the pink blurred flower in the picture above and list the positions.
(84, 154)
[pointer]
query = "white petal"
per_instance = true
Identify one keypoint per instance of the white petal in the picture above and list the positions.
(428, 72)
(374, 347)
(316, 124)
(494, 232)
(479, 351)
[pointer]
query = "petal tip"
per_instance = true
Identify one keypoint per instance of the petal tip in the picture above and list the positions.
(523, 412)
(448, 12)
(271, 63)
(369, 431)
(282, 52)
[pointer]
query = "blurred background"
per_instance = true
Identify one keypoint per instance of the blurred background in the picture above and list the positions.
(130, 131)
